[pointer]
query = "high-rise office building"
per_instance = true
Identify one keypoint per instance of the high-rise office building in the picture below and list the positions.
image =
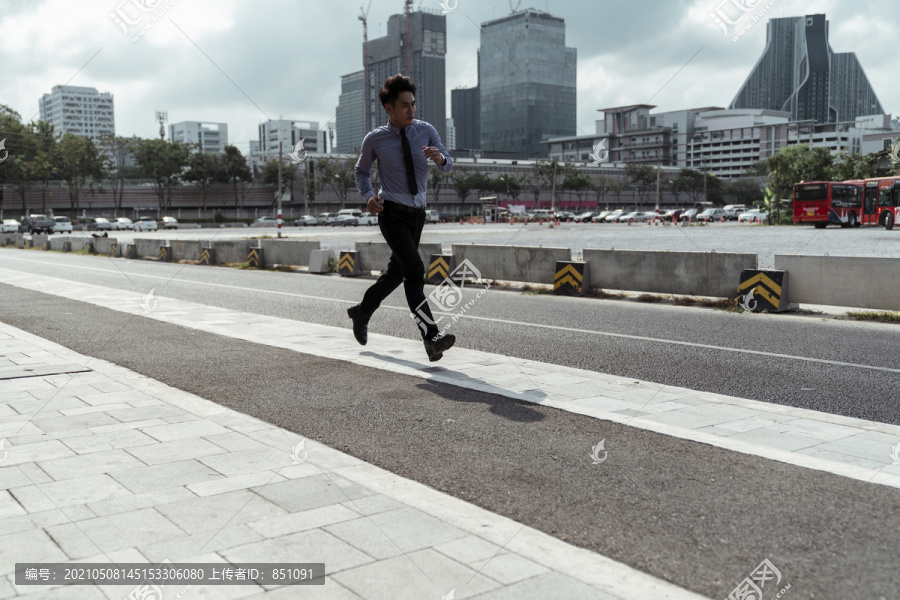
(211, 137)
(288, 133)
(350, 116)
(80, 110)
(388, 55)
(450, 142)
(465, 104)
(527, 79)
(800, 74)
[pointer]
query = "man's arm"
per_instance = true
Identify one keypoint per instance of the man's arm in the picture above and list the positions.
(364, 167)
(435, 151)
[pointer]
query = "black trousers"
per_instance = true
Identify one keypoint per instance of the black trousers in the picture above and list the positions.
(402, 231)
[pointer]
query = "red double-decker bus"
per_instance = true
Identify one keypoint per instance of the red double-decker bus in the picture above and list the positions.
(824, 202)
(882, 198)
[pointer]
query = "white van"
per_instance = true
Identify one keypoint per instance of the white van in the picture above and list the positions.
(432, 216)
(352, 212)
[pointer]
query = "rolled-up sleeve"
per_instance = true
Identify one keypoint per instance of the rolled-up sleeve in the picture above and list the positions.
(364, 167)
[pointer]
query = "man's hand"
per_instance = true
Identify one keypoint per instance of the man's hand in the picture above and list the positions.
(434, 154)
(375, 205)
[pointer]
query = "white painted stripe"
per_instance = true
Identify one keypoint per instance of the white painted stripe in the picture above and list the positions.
(508, 321)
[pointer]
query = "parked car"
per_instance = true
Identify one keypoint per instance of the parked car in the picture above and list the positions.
(690, 214)
(614, 216)
(145, 224)
(62, 225)
(265, 222)
(432, 216)
(673, 215)
(122, 223)
(345, 220)
(99, 224)
(733, 211)
(306, 221)
(368, 219)
(585, 217)
(327, 218)
(542, 215)
(752, 215)
(600, 216)
(169, 223)
(36, 224)
(711, 214)
(9, 226)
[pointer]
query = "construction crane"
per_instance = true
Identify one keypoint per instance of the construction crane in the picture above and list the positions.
(516, 9)
(407, 45)
(364, 18)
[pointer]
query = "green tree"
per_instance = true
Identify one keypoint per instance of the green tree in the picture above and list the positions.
(744, 190)
(236, 172)
(12, 133)
(163, 163)
(116, 149)
(204, 170)
(508, 184)
(692, 183)
(336, 175)
(642, 179)
(797, 163)
(463, 183)
(43, 169)
(269, 176)
(435, 178)
(600, 185)
(576, 182)
(551, 173)
(857, 166)
(78, 163)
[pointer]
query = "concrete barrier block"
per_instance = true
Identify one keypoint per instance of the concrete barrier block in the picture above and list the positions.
(131, 251)
(147, 248)
(103, 245)
(572, 279)
(207, 256)
(288, 252)
(185, 249)
(164, 254)
(851, 281)
(663, 272)
(256, 257)
(231, 251)
(375, 256)
(439, 268)
(763, 290)
(528, 264)
(320, 261)
(348, 264)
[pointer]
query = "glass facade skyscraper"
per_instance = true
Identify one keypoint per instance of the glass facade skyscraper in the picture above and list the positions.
(350, 117)
(527, 81)
(799, 73)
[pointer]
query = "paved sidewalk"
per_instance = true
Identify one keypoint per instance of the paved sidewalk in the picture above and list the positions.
(101, 464)
(850, 447)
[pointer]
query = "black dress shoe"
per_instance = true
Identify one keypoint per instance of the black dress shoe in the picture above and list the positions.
(436, 346)
(360, 324)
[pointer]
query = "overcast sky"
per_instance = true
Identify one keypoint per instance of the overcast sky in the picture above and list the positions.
(241, 62)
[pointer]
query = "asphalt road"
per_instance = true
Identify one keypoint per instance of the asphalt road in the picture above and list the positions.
(693, 514)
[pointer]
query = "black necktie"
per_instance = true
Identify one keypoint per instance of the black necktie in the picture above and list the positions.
(408, 163)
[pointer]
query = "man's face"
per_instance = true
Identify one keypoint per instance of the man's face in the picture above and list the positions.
(403, 111)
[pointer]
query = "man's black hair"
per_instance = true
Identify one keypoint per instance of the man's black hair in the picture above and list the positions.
(393, 87)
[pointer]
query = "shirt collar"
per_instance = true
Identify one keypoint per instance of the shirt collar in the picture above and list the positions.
(396, 130)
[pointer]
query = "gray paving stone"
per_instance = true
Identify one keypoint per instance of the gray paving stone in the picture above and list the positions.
(13, 477)
(372, 505)
(240, 482)
(162, 452)
(113, 440)
(234, 441)
(180, 431)
(509, 568)
(84, 465)
(395, 532)
(72, 540)
(297, 495)
(315, 546)
(9, 507)
(469, 550)
(549, 586)
(28, 546)
(127, 530)
(303, 521)
(424, 574)
(33, 499)
(143, 413)
(83, 490)
(179, 549)
(158, 477)
(124, 396)
(73, 422)
(332, 590)
(248, 461)
(239, 422)
(223, 510)
(137, 501)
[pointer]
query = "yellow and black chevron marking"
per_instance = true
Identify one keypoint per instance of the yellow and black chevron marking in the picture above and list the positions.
(47, 245)
(439, 269)
(112, 250)
(207, 257)
(569, 278)
(67, 246)
(347, 264)
(255, 257)
(130, 251)
(165, 254)
(762, 290)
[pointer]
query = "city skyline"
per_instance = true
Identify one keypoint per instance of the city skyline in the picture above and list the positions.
(225, 63)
